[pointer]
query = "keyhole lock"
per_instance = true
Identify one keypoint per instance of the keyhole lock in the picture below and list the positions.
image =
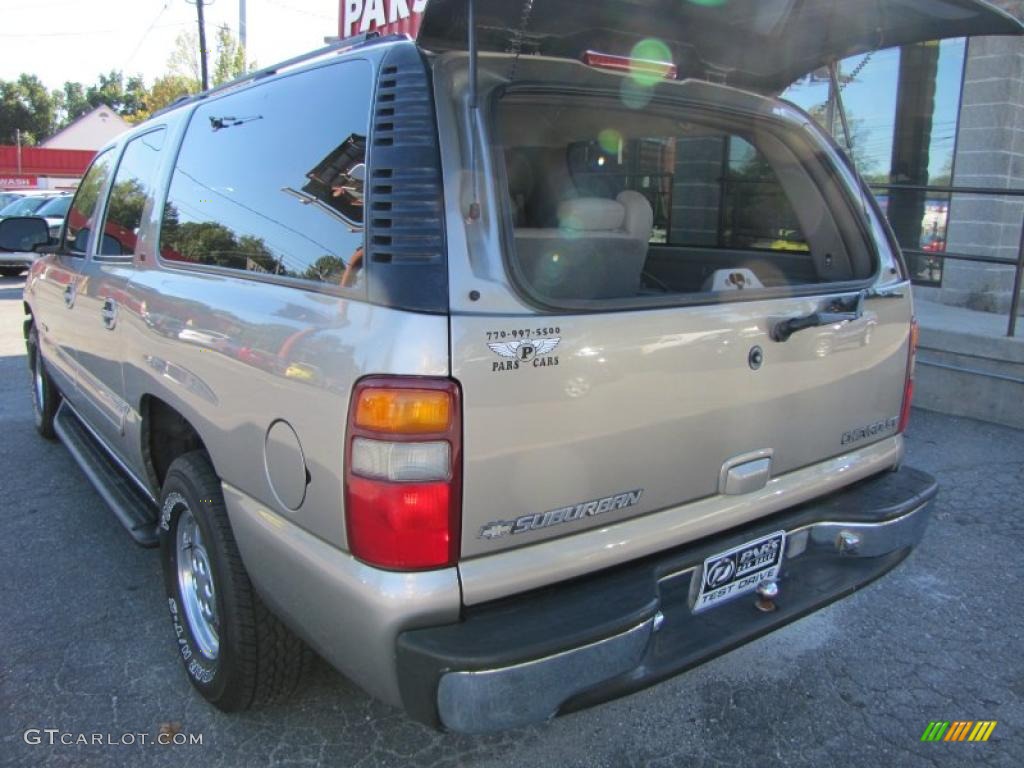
(756, 358)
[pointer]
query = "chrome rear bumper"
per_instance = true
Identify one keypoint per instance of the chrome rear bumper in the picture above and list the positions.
(455, 679)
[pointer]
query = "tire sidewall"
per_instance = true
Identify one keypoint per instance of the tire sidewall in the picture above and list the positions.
(36, 361)
(210, 676)
(42, 412)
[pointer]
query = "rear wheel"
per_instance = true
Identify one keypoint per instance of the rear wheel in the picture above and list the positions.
(236, 652)
(45, 396)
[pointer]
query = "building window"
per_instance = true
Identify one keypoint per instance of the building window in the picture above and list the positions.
(902, 106)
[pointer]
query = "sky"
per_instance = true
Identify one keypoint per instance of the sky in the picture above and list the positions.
(871, 100)
(59, 40)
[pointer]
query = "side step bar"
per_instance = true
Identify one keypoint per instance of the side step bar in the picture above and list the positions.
(136, 510)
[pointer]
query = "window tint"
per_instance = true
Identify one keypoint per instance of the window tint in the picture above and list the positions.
(609, 203)
(81, 218)
(133, 186)
(270, 180)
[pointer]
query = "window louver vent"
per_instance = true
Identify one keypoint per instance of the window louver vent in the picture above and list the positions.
(406, 264)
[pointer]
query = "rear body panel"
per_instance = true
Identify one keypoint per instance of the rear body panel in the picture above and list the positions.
(659, 401)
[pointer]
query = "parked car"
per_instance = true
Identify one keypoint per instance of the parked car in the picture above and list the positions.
(398, 375)
(54, 211)
(26, 204)
(8, 197)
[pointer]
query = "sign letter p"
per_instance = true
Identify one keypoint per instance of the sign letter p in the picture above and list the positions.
(353, 13)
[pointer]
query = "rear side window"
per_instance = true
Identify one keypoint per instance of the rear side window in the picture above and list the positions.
(81, 218)
(612, 203)
(133, 186)
(270, 180)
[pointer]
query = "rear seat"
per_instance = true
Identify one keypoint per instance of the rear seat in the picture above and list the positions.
(597, 251)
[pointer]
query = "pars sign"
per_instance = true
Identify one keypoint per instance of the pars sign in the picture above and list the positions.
(384, 16)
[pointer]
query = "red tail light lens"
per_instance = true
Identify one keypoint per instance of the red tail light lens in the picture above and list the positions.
(403, 478)
(908, 386)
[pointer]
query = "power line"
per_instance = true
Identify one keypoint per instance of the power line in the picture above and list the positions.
(146, 34)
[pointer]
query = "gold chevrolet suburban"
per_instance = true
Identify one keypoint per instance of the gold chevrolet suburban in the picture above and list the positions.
(510, 369)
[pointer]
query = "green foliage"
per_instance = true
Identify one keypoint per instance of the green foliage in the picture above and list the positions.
(70, 103)
(25, 104)
(225, 59)
(230, 61)
(125, 98)
(326, 269)
(212, 243)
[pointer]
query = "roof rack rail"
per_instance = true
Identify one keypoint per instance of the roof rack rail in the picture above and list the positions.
(259, 74)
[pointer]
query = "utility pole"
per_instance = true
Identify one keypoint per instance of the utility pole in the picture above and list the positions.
(200, 4)
(242, 35)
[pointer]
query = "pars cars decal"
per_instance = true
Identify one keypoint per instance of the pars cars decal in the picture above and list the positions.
(523, 348)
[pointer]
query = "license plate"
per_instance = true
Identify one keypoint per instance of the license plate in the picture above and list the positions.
(740, 569)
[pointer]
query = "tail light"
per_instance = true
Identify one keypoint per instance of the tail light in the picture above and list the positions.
(908, 386)
(403, 472)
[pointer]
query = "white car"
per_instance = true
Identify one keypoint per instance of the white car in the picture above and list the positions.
(27, 203)
(54, 210)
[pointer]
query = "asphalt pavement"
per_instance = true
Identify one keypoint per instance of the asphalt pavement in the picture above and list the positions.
(86, 648)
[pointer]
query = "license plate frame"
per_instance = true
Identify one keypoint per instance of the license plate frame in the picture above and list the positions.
(739, 570)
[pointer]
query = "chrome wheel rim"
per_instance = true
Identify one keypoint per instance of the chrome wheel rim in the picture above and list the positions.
(195, 584)
(38, 391)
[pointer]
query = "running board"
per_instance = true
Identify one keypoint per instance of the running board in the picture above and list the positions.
(133, 508)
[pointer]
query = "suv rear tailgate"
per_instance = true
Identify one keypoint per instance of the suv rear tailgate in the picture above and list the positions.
(633, 412)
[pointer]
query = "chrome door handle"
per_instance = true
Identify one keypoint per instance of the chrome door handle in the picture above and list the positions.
(109, 314)
(69, 295)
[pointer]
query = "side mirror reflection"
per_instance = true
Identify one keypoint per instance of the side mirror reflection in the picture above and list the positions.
(24, 233)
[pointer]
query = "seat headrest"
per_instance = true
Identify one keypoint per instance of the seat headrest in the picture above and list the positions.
(591, 214)
(639, 214)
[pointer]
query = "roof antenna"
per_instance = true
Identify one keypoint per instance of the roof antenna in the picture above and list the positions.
(474, 205)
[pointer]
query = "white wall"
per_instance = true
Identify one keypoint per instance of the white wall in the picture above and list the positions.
(90, 131)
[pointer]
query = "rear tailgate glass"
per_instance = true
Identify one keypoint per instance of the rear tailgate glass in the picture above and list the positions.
(612, 204)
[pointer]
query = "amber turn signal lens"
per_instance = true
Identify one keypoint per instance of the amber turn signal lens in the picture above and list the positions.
(404, 411)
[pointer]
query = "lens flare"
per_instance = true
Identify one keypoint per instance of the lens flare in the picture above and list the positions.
(634, 95)
(610, 140)
(648, 51)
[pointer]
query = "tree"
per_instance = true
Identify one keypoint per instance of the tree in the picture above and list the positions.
(112, 90)
(164, 92)
(230, 57)
(70, 104)
(184, 59)
(25, 104)
(227, 59)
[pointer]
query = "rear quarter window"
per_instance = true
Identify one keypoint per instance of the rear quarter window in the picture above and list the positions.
(269, 180)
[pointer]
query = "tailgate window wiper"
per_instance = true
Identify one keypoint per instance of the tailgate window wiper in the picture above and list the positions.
(844, 310)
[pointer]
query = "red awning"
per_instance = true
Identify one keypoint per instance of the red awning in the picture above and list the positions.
(37, 161)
